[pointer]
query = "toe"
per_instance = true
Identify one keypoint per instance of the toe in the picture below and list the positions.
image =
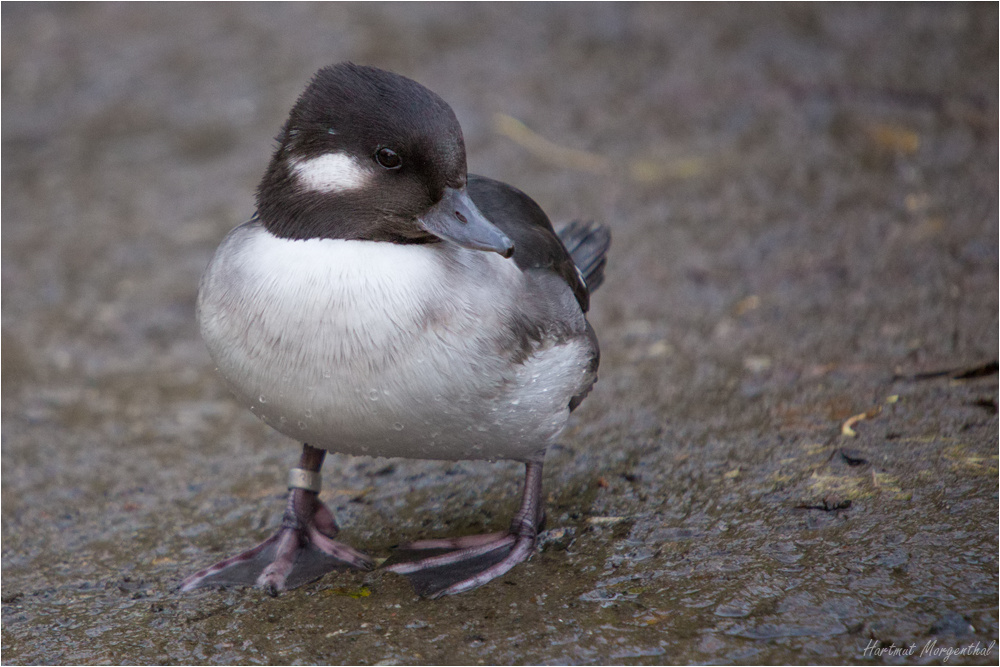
(447, 572)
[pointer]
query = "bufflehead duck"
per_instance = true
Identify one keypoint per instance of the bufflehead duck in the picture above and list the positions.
(383, 302)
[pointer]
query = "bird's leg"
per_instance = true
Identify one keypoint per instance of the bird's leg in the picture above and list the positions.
(450, 566)
(302, 549)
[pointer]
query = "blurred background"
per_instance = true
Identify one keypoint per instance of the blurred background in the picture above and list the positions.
(791, 453)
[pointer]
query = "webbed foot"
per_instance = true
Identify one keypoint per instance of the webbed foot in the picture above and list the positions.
(302, 550)
(448, 566)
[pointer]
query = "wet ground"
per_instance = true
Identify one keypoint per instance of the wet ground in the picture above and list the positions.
(791, 455)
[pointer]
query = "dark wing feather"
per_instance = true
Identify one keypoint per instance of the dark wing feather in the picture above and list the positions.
(577, 254)
(587, 243)
(536, 244)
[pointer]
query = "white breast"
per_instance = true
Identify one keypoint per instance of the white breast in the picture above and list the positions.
(385, 349)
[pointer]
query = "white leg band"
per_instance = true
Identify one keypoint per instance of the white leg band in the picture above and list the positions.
(305, 479)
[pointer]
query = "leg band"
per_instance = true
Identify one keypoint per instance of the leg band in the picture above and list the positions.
(305, 479)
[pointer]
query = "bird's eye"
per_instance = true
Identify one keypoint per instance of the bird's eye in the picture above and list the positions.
(388, 158)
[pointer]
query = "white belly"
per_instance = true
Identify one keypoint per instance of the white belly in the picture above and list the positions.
(382, 349)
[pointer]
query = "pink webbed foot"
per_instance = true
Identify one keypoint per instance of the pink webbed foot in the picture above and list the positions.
(302, 550)
(448, 566)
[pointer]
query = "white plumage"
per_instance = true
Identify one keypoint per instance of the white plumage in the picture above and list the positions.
(331, 172)
(386, 349)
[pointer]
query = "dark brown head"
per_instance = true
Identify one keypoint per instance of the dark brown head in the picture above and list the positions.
(368, 154)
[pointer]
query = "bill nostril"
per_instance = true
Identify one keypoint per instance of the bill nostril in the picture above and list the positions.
(461, 218)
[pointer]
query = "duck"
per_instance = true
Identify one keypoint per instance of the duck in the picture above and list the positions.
(384, 302)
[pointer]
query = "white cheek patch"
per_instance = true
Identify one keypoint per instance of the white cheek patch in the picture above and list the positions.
(332, 172)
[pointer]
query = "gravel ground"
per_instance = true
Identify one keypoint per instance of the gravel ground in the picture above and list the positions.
(791, 455)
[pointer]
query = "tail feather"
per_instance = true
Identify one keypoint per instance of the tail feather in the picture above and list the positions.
(587, 243)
